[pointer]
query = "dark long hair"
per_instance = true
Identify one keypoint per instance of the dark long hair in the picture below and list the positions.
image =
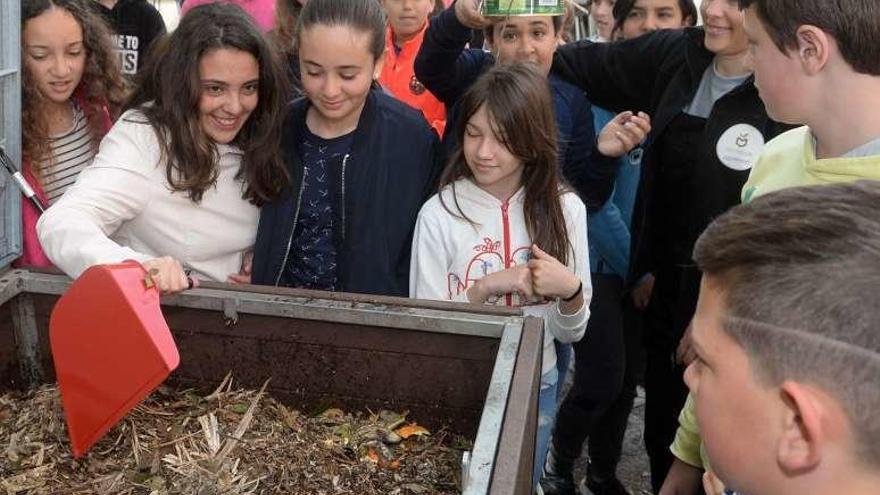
(168, 95)
(101, 85)
(518, 100)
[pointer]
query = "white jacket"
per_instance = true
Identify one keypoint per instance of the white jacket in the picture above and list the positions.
(122, 207)
(450, 254)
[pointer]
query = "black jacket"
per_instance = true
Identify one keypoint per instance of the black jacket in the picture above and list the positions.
(136, 25)
(392, 168)
(659, 73)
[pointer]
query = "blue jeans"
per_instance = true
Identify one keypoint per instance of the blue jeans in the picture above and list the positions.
(546, 416)
(563, 359)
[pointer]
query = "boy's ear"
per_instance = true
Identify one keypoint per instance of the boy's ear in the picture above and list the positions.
(799, 447)
(813, 48)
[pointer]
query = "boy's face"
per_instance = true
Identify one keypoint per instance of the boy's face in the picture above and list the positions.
(735, 413)
(775, 72)
(525, 39)
(602, 12)
(407, 17)
(651, 15)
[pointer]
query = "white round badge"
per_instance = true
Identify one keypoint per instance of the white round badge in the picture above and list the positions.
(738, 148)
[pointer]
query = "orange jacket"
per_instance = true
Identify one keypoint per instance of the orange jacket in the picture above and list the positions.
(398, 77)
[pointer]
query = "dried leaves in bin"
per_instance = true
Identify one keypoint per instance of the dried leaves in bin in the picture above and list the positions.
(229, 442)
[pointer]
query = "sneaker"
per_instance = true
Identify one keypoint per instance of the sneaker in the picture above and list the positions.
(611, 486)
(557, 476)
(557, 485)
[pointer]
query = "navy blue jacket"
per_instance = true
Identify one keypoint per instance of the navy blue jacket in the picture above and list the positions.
(448, 69)
(392, 168)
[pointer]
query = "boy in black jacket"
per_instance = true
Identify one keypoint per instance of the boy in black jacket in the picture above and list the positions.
(709, 125)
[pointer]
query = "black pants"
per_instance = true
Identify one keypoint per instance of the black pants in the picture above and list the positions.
(599, 368)
(606, 439)
(666, 318)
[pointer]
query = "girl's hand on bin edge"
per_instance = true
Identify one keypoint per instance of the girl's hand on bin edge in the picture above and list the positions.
(167, 274)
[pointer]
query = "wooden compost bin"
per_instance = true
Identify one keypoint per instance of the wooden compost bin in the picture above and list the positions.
(473, 369)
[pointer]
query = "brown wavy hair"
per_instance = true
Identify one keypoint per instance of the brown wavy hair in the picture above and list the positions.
(168, 95)
(284, 32)
(101, 85)
(518, 99)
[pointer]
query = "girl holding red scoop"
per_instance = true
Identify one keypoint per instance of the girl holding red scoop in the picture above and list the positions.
(178, 180)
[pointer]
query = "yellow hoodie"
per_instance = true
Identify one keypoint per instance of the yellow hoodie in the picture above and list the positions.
(789, 160)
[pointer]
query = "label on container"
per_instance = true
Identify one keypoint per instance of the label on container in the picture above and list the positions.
(506, 8)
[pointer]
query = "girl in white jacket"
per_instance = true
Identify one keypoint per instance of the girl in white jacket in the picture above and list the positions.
(503, 230)
(178, 180)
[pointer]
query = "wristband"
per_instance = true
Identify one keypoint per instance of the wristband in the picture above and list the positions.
(576, 293)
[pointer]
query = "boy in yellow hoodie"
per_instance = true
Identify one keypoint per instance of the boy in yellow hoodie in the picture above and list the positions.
(817, 63)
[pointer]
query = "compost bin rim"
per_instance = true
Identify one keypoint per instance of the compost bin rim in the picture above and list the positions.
(355, 309)
(333, 296)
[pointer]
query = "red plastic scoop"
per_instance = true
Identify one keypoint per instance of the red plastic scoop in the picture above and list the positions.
(111, 348)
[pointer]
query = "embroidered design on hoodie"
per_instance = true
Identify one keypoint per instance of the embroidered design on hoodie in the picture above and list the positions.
(489, 258)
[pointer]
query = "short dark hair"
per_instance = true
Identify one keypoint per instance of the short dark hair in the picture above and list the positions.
(489, 31)
(799, 273)
(854, 24)
(622, 8)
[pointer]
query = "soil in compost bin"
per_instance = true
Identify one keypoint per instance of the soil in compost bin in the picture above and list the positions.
(228, 442)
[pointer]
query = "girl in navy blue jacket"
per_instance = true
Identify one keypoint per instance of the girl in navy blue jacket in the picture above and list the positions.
(361, 164)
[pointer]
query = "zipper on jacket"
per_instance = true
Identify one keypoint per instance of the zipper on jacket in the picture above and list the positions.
(302, 186)
(344, 163)
(506, 224)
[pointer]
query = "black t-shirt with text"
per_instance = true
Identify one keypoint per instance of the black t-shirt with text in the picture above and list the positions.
(136, 25)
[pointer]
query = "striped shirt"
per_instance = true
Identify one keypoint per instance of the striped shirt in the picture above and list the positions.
(71, 153)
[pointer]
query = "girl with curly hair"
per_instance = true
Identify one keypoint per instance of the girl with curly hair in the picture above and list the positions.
(178, 181)
(70, 82)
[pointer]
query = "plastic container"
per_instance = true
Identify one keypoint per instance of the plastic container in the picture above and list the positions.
(509, 8)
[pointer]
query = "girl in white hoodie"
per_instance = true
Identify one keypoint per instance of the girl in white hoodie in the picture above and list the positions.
(503, 230)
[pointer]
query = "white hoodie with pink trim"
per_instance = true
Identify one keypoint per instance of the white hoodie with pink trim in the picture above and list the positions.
(450, 254)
